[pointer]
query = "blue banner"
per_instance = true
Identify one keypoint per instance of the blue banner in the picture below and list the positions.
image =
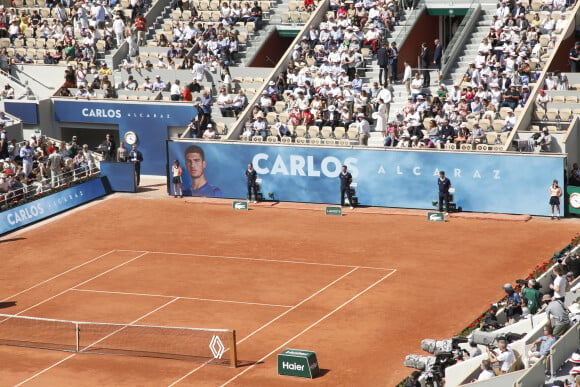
(515, 184)
(149, 121)
(121, 176)
(26, 111)
(53, 204)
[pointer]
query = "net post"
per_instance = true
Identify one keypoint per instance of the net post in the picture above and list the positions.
(233, 350)
(77, 334)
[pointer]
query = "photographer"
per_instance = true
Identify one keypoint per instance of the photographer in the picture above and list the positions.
(531, 295)
(557, 315)
(413, 379)
(490, 323)
(572, 264)
(545, 141)
(513, 309)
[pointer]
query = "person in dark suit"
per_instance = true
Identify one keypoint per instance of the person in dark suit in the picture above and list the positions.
(136, 157)
(251, 176)
(383, 61)
(437, 54)
(393, 61)
(345, 180)
(425, 61)
(504, 82)
(109, 148)
(444, 184)
(331, 117)
(574, 58)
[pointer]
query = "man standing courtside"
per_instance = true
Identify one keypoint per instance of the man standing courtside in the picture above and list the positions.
(444, 184)
(251, 176)
(136, 157)
(345, 180)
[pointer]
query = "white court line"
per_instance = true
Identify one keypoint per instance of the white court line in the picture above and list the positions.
(82, 283)
(96, 342)
(260, 259)
(58, 275)
(272, 321)
(309, 327)
(180, 297)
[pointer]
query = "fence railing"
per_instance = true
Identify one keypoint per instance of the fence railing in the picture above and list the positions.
(457, 43)
(47, 185)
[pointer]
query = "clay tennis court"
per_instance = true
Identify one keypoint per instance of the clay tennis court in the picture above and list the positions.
(360, 290)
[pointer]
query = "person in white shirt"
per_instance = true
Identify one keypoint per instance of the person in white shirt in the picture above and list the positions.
(198, 70)
(510, 121)
(560, 283)
(486, 371)
(147, 86)
(416, 86)
(209, 133)
(175, 91)
(502, 356)
(224, 101)
(407, 77)
(158, 85)
(119, 30)
(364, 129)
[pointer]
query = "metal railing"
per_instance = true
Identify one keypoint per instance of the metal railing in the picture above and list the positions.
(406, 27)
(457, 43)
(46, 185)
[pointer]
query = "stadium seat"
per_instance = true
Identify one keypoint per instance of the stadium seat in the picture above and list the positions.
(271, 118)
(539, 114)
(283, 117)
(484, 124)
(326, 132)
(491, 137)
(339, 132)
(313, 131)
(558, 99)
(503, 112)
(300, 131)
(571, 99)
(566, 115)
(352, 132)
(552, 114)
(497, 126)
(279, 106)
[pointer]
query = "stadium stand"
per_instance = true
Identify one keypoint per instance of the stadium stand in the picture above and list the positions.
(561, 356)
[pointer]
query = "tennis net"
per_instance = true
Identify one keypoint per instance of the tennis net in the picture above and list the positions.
(217, 346)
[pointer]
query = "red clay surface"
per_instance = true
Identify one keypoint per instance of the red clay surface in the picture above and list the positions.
(360, 290)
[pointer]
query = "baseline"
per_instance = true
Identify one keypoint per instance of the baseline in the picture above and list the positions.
(310, 327)
(258, 259)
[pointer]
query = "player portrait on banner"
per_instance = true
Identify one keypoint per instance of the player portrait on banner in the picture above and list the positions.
(195, 164)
